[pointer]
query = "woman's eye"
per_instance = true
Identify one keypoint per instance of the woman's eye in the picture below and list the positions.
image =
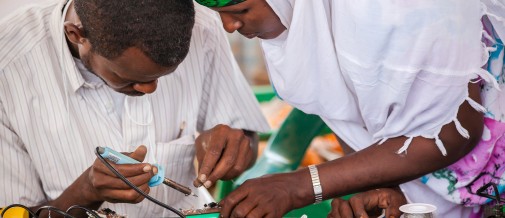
(242, 11)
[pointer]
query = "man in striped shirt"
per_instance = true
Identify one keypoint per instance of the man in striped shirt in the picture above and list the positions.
(80, 74)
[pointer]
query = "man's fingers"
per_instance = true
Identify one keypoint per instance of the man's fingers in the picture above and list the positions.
(139, 154)
(123, 196)
(215, 147)
(127, 170)
(244, 159)
(228, 161)
(116, 183)
(146, 189)
(223, 153)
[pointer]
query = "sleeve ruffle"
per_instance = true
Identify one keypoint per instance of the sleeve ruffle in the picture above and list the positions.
(494, 11)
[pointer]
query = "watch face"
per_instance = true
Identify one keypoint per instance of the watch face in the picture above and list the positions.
(318, 189)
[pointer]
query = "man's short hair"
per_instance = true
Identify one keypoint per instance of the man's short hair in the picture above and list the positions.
(160, 28)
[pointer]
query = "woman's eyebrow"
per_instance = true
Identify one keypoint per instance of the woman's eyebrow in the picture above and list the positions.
(235, 9)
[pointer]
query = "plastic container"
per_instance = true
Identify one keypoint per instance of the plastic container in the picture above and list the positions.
(15, 212)
(418, 210)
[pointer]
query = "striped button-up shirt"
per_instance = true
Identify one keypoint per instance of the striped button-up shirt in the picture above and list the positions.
(53, 112)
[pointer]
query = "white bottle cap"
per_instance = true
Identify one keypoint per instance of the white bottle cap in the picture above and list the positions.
(418, 208)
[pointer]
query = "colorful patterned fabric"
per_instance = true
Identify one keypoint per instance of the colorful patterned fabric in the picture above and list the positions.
(486, 163)
(218, 3)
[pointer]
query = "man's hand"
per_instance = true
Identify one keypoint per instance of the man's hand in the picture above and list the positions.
(104, 185)
(223, 153)
(370, 204)
(98, 184)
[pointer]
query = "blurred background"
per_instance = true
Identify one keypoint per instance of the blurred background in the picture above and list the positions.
(250, 59)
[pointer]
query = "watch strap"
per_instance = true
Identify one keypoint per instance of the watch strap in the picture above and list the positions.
(316, 184)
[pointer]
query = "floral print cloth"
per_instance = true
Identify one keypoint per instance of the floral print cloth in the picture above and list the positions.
(459, 182)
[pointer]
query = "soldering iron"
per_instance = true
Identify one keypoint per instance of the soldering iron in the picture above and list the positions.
(119, 158)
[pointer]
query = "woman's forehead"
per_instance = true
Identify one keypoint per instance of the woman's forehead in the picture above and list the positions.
(219, 3)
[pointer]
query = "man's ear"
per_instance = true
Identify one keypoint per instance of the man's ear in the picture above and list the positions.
(74, 32)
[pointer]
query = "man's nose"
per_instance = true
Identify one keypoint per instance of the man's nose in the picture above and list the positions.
(146, 88)
(230, 24)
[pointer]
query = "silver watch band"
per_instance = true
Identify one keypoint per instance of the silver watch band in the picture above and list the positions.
(316, 184)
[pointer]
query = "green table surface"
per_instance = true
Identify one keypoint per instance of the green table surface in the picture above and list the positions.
(311, 211)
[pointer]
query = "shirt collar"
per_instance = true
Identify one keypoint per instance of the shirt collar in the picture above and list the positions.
(70, 72)
(91, 80)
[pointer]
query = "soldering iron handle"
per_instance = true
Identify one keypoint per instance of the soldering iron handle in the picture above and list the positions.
(116, 157)
(119, 158)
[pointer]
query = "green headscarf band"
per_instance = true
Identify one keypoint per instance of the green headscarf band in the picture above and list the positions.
(218, 3)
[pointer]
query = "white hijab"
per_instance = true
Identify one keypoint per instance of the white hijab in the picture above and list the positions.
(374, 70)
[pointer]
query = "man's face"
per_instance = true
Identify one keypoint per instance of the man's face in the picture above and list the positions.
(132, 73)
(251, 18)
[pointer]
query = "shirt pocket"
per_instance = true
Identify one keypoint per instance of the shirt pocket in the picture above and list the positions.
(177, 158)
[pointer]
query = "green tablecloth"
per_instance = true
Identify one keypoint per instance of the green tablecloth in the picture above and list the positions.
(311, 211)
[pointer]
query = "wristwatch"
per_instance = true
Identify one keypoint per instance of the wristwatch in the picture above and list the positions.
(316, 184)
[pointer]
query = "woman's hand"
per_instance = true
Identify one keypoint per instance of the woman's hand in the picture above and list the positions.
(269, 196)
(370, 204)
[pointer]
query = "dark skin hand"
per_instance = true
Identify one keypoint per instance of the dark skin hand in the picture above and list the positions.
(98, 184)
(374, 167)
(370, 204)
(224, 153)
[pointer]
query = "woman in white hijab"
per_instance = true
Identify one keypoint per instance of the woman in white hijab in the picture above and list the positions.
(398, 82)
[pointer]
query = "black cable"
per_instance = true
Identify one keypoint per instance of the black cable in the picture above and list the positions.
(90, 212)
(111, 168)
(18, 205)
(50, 208)
(55, 209)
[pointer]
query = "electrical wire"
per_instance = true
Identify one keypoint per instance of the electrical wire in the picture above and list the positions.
(88, 211)
(55, 209)
(50, 208)
(91, 212)
(18, 205)
(111, 168)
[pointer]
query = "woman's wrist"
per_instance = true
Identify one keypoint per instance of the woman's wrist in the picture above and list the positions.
(304, 193)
